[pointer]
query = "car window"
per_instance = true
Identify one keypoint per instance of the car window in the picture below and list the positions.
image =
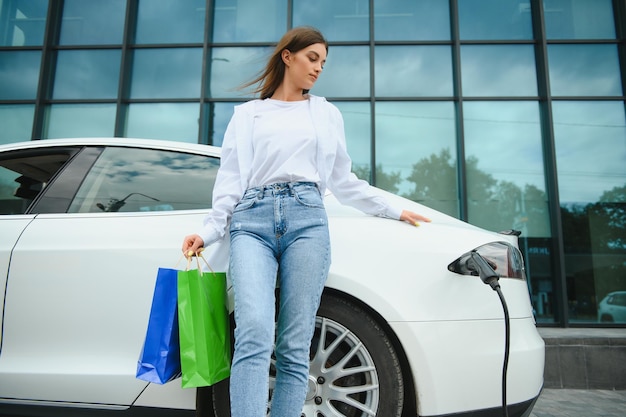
(24, 175)
(142, 180)
(618, 299)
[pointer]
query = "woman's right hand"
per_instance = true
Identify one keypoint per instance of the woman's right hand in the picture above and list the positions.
(192, 244)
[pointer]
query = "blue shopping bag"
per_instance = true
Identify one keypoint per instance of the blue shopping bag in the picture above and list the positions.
(159, 361)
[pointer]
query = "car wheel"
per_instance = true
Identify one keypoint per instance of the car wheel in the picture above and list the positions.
(354, 368)
(607, 318)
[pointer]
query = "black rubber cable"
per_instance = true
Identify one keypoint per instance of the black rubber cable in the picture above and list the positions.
(507, 346)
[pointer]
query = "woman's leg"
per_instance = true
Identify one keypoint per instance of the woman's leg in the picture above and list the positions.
(303, 270)
(253, 269)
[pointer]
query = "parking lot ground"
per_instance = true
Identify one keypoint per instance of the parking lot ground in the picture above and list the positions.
(580, 403)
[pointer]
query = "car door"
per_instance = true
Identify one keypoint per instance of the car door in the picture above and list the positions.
(81, 279)
(24, 173)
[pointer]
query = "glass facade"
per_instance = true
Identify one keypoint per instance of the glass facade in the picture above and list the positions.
(508, 114)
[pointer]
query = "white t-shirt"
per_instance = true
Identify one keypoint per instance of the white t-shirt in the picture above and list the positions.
(284, 143)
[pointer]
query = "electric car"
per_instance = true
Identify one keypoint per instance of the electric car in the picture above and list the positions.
(406, 326)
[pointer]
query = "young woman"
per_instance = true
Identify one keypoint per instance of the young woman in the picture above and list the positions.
(280, 153)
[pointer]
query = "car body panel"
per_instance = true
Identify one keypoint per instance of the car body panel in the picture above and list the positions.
(447, 383)
(10, 230)
(74, 321)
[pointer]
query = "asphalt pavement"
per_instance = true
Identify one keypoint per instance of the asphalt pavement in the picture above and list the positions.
(580, 403)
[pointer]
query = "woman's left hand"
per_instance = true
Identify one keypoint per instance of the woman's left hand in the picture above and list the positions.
(413, 218)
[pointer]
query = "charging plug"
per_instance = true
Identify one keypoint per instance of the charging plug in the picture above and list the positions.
(486, 273)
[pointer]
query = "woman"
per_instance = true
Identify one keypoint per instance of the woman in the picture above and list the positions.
(279, 155)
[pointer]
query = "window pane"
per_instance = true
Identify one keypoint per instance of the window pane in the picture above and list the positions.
(238, 20)
(22, 22)
(166, 73)
(411, 20)
(403, 71)
(592, 191)
(17, 122)
(87, 74)
(506, 186)
(232, 67)
(345, 20)
(339, 78)
(504, 163)
(495, 19)
(579, 19)
(79, 120)
(218, 115)
(417, 157)
(575, 70)
(498, 70)
(166, 181)
(170, 21)
(357, 120)
(170, 121)
(92, 22)
(19, 74)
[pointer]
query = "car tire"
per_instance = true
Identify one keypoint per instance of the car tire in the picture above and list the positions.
(607, 318)
(354, 369)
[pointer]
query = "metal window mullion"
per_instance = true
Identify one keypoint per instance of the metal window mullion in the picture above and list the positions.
(205, 126)
(126, 65)
(549, 152)
(372, 53)
(461, 170)
(47, 66)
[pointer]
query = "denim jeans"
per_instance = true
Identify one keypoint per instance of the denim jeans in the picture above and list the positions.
(279, 232)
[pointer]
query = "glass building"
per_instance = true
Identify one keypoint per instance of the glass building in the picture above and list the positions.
(508, 114)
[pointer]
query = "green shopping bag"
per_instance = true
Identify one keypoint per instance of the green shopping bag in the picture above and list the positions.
(204, 326)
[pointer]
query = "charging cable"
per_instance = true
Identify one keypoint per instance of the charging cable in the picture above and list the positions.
(490, 277)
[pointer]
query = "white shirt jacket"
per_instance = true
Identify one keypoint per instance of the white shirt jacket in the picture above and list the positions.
(333, 164)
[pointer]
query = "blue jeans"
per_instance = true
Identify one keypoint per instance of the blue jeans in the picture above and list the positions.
(279, 232)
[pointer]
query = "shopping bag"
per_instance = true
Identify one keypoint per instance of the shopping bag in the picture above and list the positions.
(159, 361)
(204, 327)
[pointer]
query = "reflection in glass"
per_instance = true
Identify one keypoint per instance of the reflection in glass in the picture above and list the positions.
(421, 71)
(166, 73)
(22, 22)
(506, 186)
(590, 140)
(232, 67)
(169, 121)
(504, 167)
(238, 20)
(498, 70)
(19, 74)
(346, 73)
(357, 119)
(87, 74)
(579, 19)
(170, 21)
(416, 152)
(143, 180)
(218, 115)
(79, 120)
(421, 20)
(345, 20)
(575, 70)
(16, 121)
(495, 19)
(92, 22)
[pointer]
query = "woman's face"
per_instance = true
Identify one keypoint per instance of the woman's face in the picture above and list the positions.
(303, 67)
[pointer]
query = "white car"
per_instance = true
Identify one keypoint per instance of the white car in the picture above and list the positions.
(406, 326)
(612, 308)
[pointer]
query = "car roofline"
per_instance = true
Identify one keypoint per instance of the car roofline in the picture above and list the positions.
(115, 141)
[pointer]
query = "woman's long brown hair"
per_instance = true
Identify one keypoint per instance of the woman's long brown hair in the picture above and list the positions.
(294, 40)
